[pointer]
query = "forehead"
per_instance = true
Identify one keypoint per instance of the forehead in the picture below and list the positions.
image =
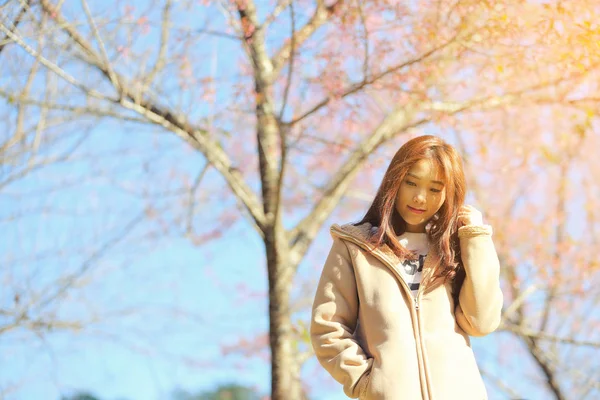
(427, 169)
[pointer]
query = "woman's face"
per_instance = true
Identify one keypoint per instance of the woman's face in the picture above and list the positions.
(421, 194)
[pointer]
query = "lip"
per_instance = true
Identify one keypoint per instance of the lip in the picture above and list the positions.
(415, 210)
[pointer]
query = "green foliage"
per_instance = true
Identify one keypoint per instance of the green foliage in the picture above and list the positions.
(224, 392)
(80, 396)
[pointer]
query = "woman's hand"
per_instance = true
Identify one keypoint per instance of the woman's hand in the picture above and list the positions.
(469, 215)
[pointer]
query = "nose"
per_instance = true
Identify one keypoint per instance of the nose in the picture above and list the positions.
(420, 198)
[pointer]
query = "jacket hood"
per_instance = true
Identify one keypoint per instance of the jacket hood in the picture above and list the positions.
(362, 233)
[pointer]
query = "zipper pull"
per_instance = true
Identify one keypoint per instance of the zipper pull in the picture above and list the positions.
(416, 304)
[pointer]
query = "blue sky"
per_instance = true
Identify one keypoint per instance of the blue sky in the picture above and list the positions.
(157, 308)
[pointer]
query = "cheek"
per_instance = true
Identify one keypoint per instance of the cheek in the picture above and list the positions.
(442, 201)
(438, 201)
(402, 195)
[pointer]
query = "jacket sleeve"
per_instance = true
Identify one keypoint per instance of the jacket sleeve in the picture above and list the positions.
(480, 299)
(334, 319)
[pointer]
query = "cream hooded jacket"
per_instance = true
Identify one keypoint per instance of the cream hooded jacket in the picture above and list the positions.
(378, 341)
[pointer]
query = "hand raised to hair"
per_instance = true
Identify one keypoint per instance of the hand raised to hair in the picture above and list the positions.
(469, 215)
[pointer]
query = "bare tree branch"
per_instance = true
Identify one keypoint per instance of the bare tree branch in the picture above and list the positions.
(98, 111)
(505, 387)
(15, 24)
(192, 194)
(288, 83)
(19, 134)
(320, 17)
(358, 86)
(363, 20)
(23, 321)
(197, 138)
(50, 65)
(106, 61)
(281, 5)
(282, 130)
(162, 52)
(31, 167)
(539, 335)
(68, 281)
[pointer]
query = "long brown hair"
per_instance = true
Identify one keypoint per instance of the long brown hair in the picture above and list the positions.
(442, 227)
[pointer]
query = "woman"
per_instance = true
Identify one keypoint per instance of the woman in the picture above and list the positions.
(402, 290)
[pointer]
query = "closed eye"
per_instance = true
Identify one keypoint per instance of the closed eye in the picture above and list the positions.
(435, 190)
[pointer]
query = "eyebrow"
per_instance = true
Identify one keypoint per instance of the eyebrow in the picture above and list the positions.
(417, 177)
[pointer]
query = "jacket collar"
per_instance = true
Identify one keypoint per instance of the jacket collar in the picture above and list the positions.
(360, 235)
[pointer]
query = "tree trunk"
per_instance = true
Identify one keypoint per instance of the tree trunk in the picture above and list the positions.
(285, 370)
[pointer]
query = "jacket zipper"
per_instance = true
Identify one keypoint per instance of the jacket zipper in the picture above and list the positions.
(420, 342)
(415, 317)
